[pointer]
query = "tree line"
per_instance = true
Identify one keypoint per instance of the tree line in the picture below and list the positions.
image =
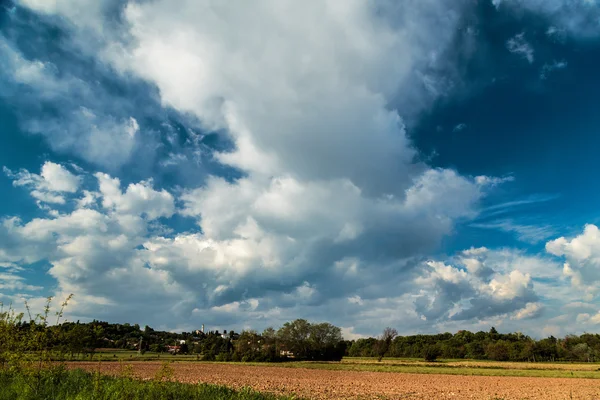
(299, 340)
(481, 345)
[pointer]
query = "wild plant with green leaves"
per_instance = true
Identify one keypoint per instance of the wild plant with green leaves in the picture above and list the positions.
(10, 343)
(28, 347)
(80, 385)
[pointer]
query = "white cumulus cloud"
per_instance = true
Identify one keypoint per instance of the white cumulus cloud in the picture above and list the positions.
(582, 254)
(50, 186)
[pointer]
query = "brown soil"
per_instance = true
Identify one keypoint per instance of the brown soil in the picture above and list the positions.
(324, 384)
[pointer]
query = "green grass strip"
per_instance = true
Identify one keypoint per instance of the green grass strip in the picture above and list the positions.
(80, 385)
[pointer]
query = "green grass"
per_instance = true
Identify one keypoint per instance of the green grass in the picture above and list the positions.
(448, 370)
(438, 368)
(79, 385)
(129, 355)
(501, 364)
(397, 365)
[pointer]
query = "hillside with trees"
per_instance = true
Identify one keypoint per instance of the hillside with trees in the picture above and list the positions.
(299, 340)
(481, 345)
(302, 340)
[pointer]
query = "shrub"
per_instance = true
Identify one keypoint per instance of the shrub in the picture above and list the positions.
(223, 357)
(431, 352)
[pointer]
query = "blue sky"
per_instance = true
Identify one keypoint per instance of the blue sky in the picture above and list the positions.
(425, 165)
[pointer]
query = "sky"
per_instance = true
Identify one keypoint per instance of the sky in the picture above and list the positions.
(422, 164)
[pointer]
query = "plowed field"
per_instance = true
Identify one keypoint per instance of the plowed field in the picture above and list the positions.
(324, 384)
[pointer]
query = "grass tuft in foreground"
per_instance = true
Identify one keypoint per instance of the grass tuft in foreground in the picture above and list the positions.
(80, 385)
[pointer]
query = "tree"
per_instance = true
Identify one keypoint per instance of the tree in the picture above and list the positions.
(527, 352)
(384, 342)
(270, 348)
(362, 348)
(76, 338)
(269, 334)
(582, 352)
(494, 335)
(431, 352)
(248, 345)
(213, 345)
(498, 351)
(475, 350)
(545, 349)
(294, 337)
(326, 342)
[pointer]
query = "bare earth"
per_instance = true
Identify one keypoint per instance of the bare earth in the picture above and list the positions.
(324, 384)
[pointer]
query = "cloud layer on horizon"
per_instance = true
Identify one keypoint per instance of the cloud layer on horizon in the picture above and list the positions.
(113, 249)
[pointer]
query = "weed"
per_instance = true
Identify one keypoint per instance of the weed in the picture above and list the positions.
(79, 385)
